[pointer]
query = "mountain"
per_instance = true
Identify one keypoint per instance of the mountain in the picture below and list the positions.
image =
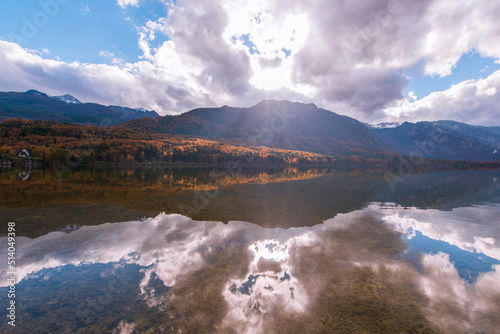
(35, 93)
(276, 124)
(273, 124)
(36, 105)
(443, 140)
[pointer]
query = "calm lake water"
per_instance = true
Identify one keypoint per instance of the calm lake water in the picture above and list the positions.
(252, 251)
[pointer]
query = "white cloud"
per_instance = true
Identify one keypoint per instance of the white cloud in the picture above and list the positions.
(112, 57)
(125, 3)
(471, 101)
(85, 9)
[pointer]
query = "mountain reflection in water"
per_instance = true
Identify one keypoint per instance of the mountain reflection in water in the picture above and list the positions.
(286, 198)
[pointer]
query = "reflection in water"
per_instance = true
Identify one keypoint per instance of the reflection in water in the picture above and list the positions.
(268, 198)
(469, 235)
(285, 251)
(347, 274)
(24, 175)
(45, 203)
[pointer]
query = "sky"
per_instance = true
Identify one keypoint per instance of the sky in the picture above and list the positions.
(383, 60)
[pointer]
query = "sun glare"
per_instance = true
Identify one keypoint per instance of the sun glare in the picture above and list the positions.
(269, 250)
(271, 42)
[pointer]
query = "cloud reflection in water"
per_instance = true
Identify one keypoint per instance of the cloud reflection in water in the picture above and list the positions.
(326, 275)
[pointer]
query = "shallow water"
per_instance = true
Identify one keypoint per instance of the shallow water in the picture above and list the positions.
(265, 251)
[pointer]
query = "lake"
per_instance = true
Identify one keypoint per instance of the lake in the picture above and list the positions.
(252, 251)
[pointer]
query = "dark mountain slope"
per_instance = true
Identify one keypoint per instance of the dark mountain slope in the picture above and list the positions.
(279, 124)
(444, 140)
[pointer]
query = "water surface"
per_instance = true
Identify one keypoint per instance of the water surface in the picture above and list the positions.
(258, 251)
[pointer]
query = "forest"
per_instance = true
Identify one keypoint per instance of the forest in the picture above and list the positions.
(53, 142)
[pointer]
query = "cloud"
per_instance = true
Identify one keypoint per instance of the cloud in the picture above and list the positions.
(471, 101)
(125, 3)
(221, 67)
(346, 57)
(111, 56)
(85, 9)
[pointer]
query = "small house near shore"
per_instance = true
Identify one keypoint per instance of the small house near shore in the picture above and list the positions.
(24, 154)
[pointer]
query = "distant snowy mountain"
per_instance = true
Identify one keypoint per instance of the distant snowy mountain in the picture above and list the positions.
(385, 125)
(135, 110)
(67, 98)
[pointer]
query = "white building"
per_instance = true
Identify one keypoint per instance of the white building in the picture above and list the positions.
(24, 154)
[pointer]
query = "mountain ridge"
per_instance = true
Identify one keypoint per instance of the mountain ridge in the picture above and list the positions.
(271, 123)
(305, 127)
(36, 105)
(444, 139)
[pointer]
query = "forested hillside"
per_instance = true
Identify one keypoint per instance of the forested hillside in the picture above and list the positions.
(52, 141)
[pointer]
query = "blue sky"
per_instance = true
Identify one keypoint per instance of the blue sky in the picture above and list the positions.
(367, 61)
(81, 29)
